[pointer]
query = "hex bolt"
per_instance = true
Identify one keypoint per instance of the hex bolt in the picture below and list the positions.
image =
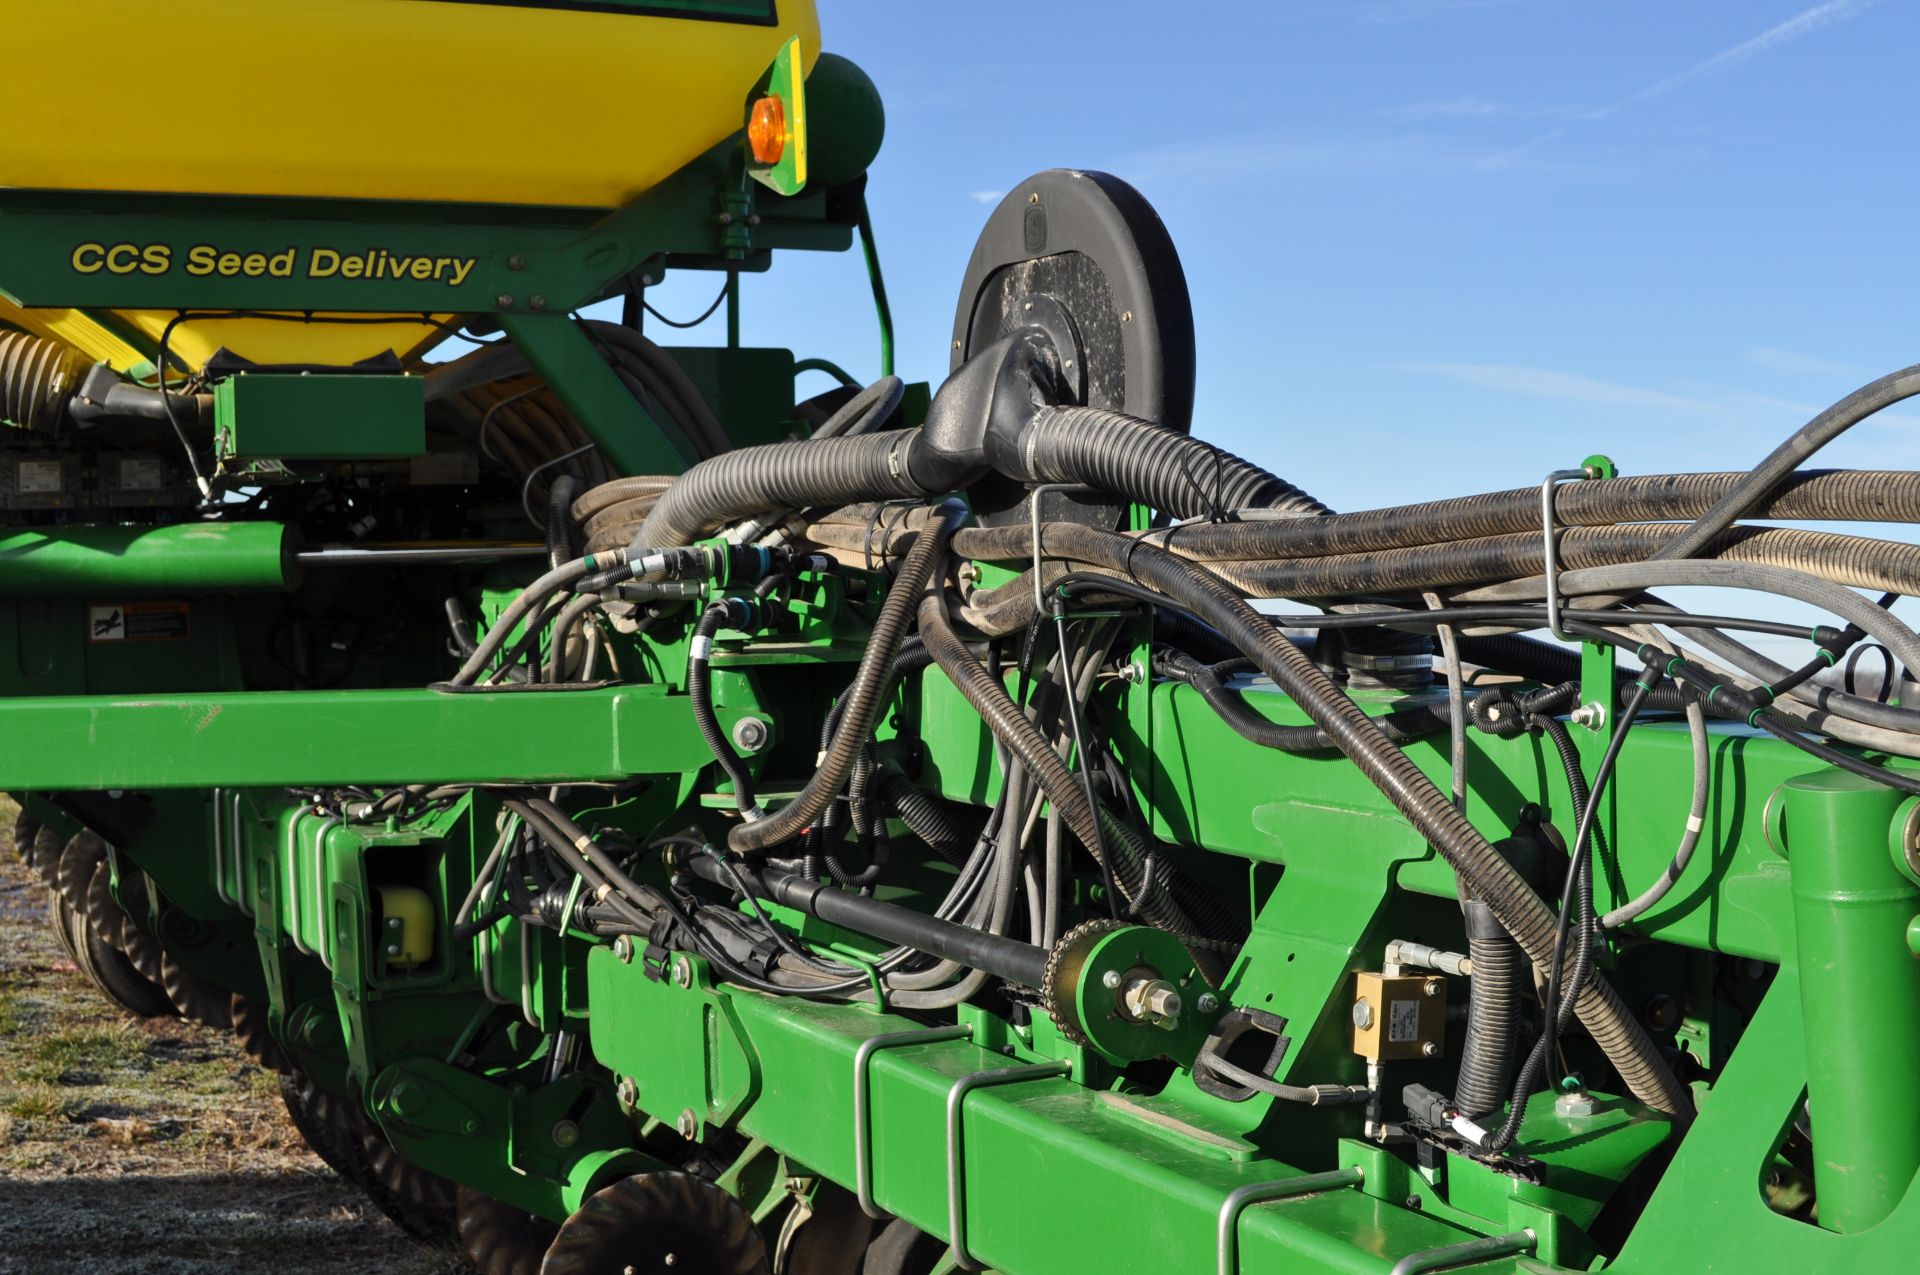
(1154, 1001)
(682, 972)
(1363, 1014)
(1592, 715)
(393, 949)
(1110, 980)
(504, 301)
(1208, 1003)
(626, 1091)
(1431, 987)
(516, 262)
(750, 734)
(537, 301)
(1576, 1104)
(565, 1133)
(688, 1124)
(1134, 672)
(623, 949)
(1430, 1050)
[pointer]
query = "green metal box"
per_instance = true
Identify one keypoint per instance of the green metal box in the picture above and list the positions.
(319, 416)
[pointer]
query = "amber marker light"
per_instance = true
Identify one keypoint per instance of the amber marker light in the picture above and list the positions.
(767, 130)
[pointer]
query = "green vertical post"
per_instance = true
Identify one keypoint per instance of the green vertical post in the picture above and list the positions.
(1859, 995)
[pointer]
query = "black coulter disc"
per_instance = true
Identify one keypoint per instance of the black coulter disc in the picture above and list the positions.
(658, 1224)
(500, 1239)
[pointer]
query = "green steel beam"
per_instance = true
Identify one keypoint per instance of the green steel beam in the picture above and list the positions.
(633, 440)
(263, 740)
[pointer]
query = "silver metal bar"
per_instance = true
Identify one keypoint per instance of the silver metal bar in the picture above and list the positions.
(1471, 1253)
(346, 556)
(863, 1099)
(1033, 522)
(1548, 559)
(320, 908)
(1258, 1193)
(1239, 1201)
(956, 1153)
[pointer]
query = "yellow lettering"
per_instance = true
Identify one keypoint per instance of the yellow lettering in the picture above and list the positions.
(324, 264)
(254, 265)
(353, 267)
(280, 265)
(156, 258)
(461, 269)
(200, 259)
(123, 258)
(229, 264)
(422, 268)
(89, 257)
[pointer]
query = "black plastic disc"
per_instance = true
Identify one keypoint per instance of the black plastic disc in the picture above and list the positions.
(74, 869)
(500, 1239)
(658, 1224)
(1086, 257)
(197, 1000)
(903, 1249)
(255, 1034)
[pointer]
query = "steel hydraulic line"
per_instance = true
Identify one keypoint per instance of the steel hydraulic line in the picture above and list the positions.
(534, 595)
(1525, 916)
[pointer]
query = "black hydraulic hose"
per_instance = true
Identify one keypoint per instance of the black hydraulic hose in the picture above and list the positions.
(756, 480)
(700, 692)
(863, 699)
(1493, 1014)
(1402, 725)
(1175, 473)
(1004, 958)
(929, 818)
(1095, 828)
(1857, 561)
(1815, 495)
(1786, 458)
(1524, 915)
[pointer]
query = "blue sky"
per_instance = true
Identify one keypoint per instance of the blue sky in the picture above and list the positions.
(1435, 246)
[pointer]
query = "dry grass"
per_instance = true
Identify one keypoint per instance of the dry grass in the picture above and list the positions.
(152, 1146)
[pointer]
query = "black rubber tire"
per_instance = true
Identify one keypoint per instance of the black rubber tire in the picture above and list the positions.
(251, 1029)
(108, 969)
(658, 1224)
(197, 1000)
(498, 1238)
(60, 918)
(903, 1249)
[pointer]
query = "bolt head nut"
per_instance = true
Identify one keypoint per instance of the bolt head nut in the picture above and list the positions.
(1430, 1050)
(504, 301)
(688, 1124)
(1110, 980)
(1576, 1104)
(626, 1091)
(623, 949)
(565, 1133)
(1207, 1002)
(1431, 987)
(682, 972)
(750, 734)
(1363, 1014)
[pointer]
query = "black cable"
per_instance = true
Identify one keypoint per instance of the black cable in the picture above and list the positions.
(1098, 847)
(166, 405)
(700, 692)
(691, 323)
(1554, 1013)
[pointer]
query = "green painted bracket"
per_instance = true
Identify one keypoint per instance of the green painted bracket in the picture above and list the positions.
(294, 738)
(564, 355)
